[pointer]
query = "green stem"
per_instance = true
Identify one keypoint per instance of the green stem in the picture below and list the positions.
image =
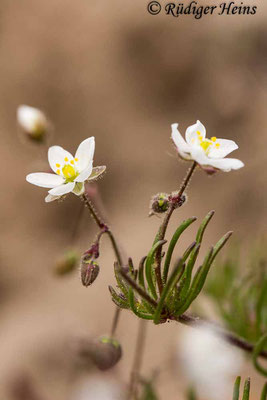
(164, 225)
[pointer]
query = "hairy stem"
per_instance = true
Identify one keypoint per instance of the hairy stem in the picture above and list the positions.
(103, 226)
(138, 288)
(138, 358)
(164, 225)
(228, 336)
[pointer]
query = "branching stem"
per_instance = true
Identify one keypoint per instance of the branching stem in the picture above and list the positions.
(164, 225)
(104, 227)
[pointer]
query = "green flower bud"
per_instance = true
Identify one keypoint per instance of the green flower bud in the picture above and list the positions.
(159, 203)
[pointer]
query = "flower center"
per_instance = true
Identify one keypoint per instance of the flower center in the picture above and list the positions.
(205, 144)
(69, 172)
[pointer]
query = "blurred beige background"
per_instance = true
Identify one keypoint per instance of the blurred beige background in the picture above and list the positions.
(111, 70)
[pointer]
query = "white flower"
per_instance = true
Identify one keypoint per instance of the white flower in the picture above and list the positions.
(70, 172)
(33, 122)
(206, 152)
(209, 363)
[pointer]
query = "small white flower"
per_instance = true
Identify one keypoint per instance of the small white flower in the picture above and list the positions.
(33, 122)
(70, 172)
(208, 153)
(209, 363)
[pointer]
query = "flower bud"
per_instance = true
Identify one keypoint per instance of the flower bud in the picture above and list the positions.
(33, 123)
(67, 263)
(159, 203)
(104, 352)
(89, 270)
(178, 201)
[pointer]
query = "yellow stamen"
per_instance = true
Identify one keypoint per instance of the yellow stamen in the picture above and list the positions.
(205, 144)
(66, 159)
(57, 165)
(198, 133)
(72, 162)
(200, 137)
(213, 138)
(58, 171)
(217, 145)
(76, 159)
(69, 173)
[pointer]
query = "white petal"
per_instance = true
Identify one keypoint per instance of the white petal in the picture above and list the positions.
(84, 174)
(179, 141)
(191, 133)
(50, 198)
(199, 156)
(226, 164)
(57, 155)
(30, 118)
(62, 189)
(85, 153)
(44, 179)
(226, 147)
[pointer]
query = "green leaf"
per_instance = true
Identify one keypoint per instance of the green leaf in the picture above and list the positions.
(119, 280)
(246, 389)
(149, 268)
(236, 388)
(201, 275)
(219, 245)
(141, 279)
(172, 281)
(261, 305)
(257, 350)
(185, 224)
(117, 299)
(198, 282)
(264, 392)
(134, 308)
(186, 279)
(203, 226)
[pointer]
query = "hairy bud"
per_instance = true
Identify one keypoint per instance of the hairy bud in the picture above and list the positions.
(89, 270)
(67, 263)
(159, 203)
(177, 200)
(104, 352)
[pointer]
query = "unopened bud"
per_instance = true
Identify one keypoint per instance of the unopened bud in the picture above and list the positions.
(33, 123)
(89, 270)
(177, 200)
(104, 352)
(67, 263)
(160, 203)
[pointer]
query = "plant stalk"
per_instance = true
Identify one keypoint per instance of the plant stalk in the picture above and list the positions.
(138, 358)
(164, 225)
